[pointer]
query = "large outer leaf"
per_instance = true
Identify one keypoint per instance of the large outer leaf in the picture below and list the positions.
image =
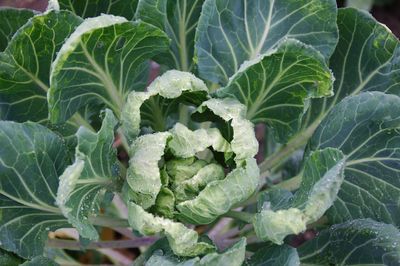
(31, 159)
(322, 177)
(233, 31)
(25, 65)
(274, 256)
(100, 63)
(182, 240)
(357, 242)
(178, 18)
(9, 259)
(367, 58)
(275, 87)
(11, 19)
(366, 128)
(153, 107)
(94, 8)
(85, 184)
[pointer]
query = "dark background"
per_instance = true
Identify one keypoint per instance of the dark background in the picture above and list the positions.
(388, 14)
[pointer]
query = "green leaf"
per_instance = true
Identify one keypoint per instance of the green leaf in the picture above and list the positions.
(274, 256)
(94, 8)
(322, 178)
(85, 185)
(244, 143)
(11, 19)
(160, 254)
(357, 242)
(153, 107)
(276, 86)
(9, 259)
(31, 160)
(366, 59)
(366, 128)
(40, 261)
(182, 240)
(219, 196)
(143, 174)
(231, 32)
(360, 4)
(179, 20)
(233, 256)
(100, 63)
(25, 65)
(277, 199)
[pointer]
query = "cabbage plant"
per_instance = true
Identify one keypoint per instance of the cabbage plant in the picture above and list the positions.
(205, 132)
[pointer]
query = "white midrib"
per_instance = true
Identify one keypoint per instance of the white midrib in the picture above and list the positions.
(260, 45)
(104, 78)
(182, 39)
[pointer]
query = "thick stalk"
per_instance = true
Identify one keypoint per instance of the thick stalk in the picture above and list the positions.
(283, 154)
(242, 216)
(108, 221)
(118, 244)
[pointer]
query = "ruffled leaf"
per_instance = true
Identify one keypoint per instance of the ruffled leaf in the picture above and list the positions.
(85, 185)
(322, 178)
(219, 196)
(160, 254)
(182, 240)
(143, 175)
(243, 144)
(162, 98)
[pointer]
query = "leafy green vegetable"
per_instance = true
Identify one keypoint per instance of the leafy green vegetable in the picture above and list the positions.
(276, 86)
(99, 63)
(31, 159)
(25, 65)
(94, 8)
(160, 254)
(151, 108)
(366, 129)
(275, 256)
(84, 185)
(8, 258)
(215, 131)
(357, 242)
(322, 178)
(11, 20)
(166, 177)
(179, 20)
(231, 32)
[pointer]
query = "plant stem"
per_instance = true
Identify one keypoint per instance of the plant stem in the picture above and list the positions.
(183, 114)
(119, 244)
(294, 144)
(290, 184)
(242, 216)
(108, 221)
